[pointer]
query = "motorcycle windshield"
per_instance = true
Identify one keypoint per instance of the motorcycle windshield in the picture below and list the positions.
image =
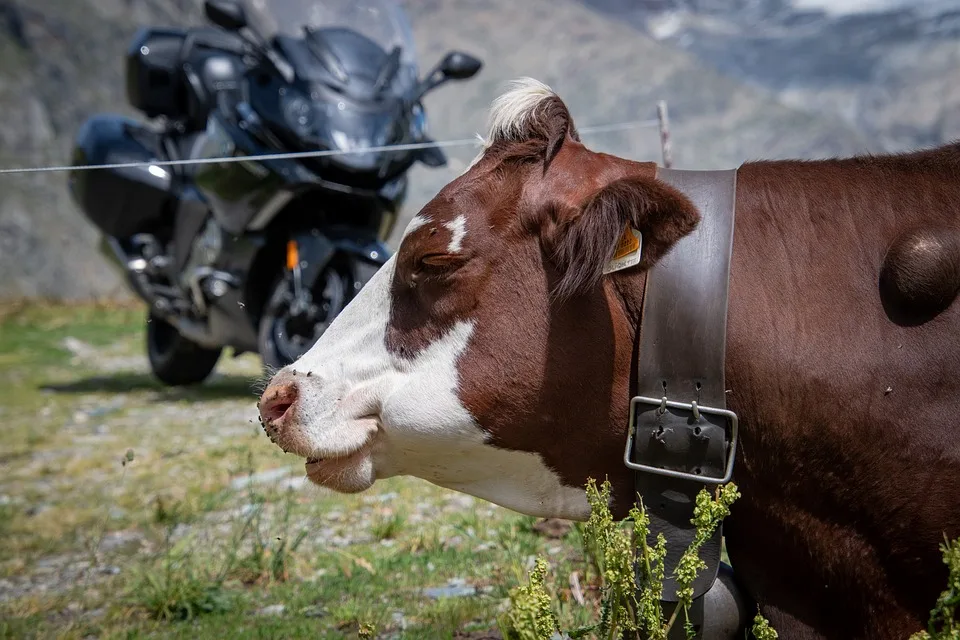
(338, 23)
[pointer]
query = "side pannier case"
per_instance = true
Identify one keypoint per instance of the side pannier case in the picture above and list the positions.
(155, 83)
(120, 201)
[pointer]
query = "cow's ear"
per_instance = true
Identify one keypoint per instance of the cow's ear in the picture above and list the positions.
(583, 239)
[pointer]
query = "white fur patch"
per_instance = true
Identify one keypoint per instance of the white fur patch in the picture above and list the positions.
(417, 222)
(510, 110)
(425, 430)
(458, 229)
(513, 479)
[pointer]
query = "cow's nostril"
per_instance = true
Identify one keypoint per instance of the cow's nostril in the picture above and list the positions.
(277, 400)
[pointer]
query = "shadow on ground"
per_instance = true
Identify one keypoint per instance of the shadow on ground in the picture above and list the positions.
(218, 387)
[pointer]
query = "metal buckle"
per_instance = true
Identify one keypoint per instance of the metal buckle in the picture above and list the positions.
(696, 410)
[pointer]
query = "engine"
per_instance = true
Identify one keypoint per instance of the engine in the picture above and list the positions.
(199, 276)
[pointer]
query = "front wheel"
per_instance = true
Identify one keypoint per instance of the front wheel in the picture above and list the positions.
(174, 360)
(289, 327)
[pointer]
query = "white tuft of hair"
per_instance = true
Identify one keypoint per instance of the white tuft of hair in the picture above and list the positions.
(510, 110)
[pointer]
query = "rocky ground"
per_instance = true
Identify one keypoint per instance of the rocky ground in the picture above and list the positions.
(129, 509)
(62, 61)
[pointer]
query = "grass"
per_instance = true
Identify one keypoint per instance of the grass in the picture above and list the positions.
(131, 510)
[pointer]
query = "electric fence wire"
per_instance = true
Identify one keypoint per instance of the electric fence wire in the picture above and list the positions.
(604, 128)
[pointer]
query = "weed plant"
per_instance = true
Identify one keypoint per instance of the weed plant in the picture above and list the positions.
(629, 607)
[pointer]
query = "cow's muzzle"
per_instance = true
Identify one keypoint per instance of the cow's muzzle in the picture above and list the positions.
(278, 404)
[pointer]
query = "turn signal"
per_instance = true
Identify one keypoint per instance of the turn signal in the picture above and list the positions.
(293, 255)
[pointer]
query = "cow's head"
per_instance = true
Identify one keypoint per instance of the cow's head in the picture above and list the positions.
(491, 354)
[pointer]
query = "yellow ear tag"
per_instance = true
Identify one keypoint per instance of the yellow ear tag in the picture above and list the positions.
(628, 251)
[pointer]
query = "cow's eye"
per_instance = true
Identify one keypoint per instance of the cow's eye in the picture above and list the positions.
(438, 262)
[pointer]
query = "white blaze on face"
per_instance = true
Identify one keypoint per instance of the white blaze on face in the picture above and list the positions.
(421, 426)
(458, 231)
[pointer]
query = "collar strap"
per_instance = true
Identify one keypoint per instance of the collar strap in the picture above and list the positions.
(681, 437)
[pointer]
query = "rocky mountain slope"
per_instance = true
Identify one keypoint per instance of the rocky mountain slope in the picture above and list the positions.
(890, 68)
(62, 60)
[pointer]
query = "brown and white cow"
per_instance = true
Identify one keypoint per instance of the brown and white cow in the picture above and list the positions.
(493, 356)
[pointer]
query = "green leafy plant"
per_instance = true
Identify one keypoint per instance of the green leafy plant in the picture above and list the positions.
(630, 603)
(651, 567)
(614, 558)
(530, 616)
(762, 630)
(631, 573)
(179, 589)
(707, 515)
(943, 623)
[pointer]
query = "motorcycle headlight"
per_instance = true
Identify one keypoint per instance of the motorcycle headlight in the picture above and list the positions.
(347, 142)
(363, 132)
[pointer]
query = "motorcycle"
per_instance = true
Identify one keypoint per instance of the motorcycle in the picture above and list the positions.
(258, 254)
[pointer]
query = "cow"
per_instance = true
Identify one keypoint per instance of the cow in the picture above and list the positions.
(493, 356)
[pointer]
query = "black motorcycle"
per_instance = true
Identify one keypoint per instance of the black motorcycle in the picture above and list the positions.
(259, 255)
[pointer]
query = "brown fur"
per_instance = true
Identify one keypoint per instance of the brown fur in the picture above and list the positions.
(847, 436)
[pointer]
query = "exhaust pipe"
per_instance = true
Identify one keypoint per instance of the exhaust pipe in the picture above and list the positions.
(133, 270)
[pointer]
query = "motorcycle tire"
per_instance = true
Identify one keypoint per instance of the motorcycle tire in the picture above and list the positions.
(334, 290)
(174, 360)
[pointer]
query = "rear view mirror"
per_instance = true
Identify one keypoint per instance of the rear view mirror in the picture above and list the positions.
(457, 65)
(225, 13)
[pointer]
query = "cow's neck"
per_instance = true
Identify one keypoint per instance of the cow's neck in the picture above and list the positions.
(628, 288)
(626, 294)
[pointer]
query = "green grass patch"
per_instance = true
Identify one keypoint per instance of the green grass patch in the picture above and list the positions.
(202, 529)
(33, 334)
